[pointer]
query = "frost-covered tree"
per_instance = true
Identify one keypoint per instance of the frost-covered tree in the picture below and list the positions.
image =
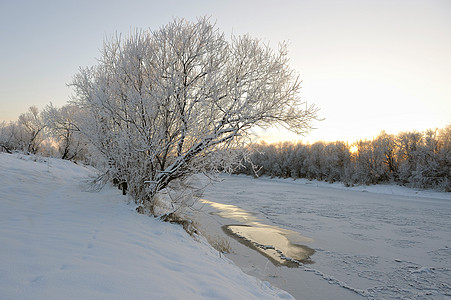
(408, 146)
(370, 165)
(432, 167)
(7, 136)
(444, 157)
(314, 164)
(385, 148)
(164, 104)
(31, 130)
(62, 123)
(299, 155)
(337, 159)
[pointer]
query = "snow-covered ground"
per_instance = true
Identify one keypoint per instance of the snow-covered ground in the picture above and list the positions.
(59, 240)
(380, 242)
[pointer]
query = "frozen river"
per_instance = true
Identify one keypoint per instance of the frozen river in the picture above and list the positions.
(379, 242)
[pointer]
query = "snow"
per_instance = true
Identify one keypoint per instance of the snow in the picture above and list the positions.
(61, 239)
(378, 242)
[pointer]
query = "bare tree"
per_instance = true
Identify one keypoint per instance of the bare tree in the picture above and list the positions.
(62, 125)
(165, 104)
(385, 146)
(33, 127)
(6, 136)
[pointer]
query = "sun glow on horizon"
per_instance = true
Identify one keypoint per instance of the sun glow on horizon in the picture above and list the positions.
(324, 134)
(353, 149)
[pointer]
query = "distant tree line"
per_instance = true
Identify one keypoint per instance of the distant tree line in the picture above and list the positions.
(414, 159)
(49, 132)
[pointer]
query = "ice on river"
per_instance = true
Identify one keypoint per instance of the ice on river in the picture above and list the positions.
(378, 241)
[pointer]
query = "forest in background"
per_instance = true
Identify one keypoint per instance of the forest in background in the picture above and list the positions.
(413, 159)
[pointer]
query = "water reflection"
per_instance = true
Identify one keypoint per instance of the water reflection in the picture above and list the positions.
(282, 246)
(231, 212)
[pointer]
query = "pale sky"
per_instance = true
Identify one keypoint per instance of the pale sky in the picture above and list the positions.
(368, 65)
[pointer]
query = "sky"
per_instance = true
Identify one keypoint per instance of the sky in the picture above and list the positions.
(368, 65)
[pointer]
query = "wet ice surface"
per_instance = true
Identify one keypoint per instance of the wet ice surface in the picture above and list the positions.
(377, 245)
(281, 245)
(272, 242)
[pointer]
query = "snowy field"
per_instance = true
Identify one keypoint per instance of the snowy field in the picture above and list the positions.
(377, 242)
(58, 240)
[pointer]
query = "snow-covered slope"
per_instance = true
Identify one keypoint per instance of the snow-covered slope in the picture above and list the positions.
(60, 240)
